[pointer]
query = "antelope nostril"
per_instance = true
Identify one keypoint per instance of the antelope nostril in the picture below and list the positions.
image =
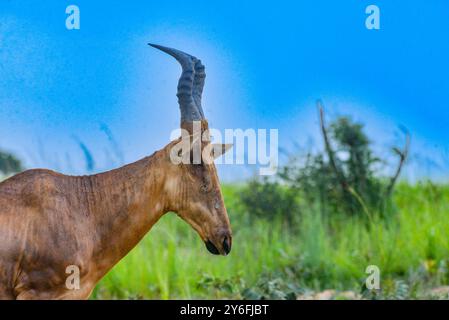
(212, 249)
(227, 245)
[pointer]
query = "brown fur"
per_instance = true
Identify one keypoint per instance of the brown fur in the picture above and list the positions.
(49, 221)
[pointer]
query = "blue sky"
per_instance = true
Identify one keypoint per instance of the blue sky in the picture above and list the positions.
(267, 62)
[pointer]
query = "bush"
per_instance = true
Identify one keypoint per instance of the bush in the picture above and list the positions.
(345, 176)
(9, 164)
(265, 198)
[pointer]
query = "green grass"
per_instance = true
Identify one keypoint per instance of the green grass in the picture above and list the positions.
(320, 253)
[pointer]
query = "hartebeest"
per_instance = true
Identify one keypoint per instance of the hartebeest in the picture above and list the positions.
(49, 221)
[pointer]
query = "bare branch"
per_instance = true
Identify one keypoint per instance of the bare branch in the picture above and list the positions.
(403, 154)
(338, 172)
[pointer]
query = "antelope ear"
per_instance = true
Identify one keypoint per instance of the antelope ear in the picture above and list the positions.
(181, 152)
(220, 149)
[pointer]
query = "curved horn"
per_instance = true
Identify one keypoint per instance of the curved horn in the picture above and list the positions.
(198, 84)
(190, 85)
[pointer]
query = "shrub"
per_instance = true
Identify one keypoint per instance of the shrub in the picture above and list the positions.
(345, 176)
(9, 164)
(265, 198)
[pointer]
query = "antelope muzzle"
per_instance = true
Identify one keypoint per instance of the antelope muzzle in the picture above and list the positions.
(222, 245)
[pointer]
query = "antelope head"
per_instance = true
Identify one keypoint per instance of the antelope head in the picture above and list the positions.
(192, 186)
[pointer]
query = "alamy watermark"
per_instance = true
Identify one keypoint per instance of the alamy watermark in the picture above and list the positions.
(72, 282)
(372, 282)
(73, 20)
(250, 146)
(372, 22)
